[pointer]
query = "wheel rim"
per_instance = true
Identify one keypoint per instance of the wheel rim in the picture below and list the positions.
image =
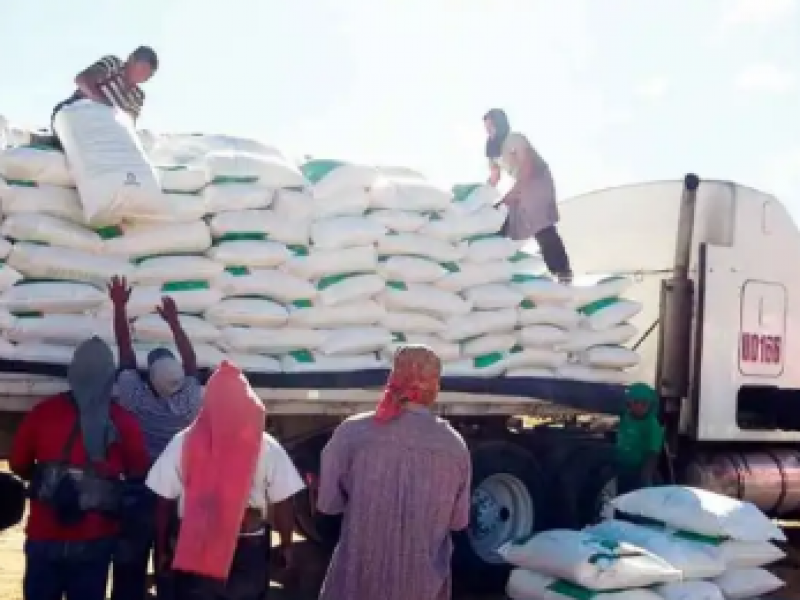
(502, 511)
(603, 508)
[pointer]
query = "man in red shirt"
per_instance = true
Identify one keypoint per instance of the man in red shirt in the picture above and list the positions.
(77, 449)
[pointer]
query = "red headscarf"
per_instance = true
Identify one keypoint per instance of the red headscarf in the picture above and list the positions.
(414, 378)
(219, 461)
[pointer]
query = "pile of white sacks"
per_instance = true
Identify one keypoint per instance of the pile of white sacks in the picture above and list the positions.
(325, 266)
(697, 545)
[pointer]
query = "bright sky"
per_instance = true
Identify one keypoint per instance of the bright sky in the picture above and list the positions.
(609, 91)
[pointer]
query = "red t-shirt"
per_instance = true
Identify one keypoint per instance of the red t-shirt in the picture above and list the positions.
(42, 437)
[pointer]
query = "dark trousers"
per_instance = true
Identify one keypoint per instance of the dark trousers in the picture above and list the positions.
(131, 561)
(554, 253)
(71, 570)
(248, 578)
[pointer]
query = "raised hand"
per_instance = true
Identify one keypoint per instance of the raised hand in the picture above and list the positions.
(118, 291)
(168, 310)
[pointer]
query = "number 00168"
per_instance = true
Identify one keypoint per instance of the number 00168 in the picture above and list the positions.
(757, 348)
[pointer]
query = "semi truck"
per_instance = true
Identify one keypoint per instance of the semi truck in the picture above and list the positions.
(711, 264)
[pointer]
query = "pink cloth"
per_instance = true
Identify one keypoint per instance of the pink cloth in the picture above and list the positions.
(219, 460)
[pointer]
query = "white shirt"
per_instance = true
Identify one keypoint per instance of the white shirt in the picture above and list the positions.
(275, 480)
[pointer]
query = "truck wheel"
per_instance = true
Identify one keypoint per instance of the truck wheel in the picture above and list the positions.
(507, 504)
(320, 529)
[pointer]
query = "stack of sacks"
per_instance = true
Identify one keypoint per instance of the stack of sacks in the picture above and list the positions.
(325, 267)
(563, 564)
(704, 535)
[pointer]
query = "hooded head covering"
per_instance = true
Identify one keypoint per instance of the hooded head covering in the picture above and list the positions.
(494, 144)
(91, 377)
(165, 372)
(415, 377)
(218, 463)
(641, 392)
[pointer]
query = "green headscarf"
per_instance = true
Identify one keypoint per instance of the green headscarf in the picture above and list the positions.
(639, 438)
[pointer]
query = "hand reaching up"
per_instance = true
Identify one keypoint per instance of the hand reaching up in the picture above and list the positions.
(118, 291)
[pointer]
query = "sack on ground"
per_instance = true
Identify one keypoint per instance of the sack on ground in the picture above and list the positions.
(742, 584)
(528, 585)
(589, 561)
(700, 511)
(106, 158)
(694, 560)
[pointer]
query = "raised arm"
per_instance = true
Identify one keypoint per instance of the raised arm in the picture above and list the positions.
(120, 293)
(88, 80)
(169, 312)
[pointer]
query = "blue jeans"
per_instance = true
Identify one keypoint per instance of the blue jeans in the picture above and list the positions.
(71, 570)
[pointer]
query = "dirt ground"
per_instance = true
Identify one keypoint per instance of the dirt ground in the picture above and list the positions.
(313, 564)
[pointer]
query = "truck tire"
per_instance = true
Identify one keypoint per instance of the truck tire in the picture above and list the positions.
(317, 528)
(507, 504)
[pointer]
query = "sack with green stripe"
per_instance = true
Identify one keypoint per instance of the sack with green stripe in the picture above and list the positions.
(40, 198)
(247, 312)
(303, 361)
(493, 296)
(586, 291)
(265, 283)
(69, 330)
(152, 328)
(225, 195)
(345, 232)
(694, 559)
(270, 169)
(40, 164)
(155, 270)
(470, 275)
(259, 225)
(183, 178)
(414, 194)
(399, 221)
(424, 298)
(191, 297)
(361, 313)
(137, 242)
(489, 248)
(64, 297)
(472, 197)
(609, 312)
(411, 269)
(527, 585)
(488, 365)
(336, 178)
(37, 261)
(50, 230)
(416, 244)
(252, 253)
(323, 263)
(179, 207)
(335, 290)
(455, 227)
(592, 562)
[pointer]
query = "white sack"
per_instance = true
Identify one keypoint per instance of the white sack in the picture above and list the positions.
(543, 291)
(596, 375)
(47, 229)
(152, 328)
(52, 297)
(250, 253)
(609, 287)
(414, 244)
(304, 206)
(410, 269)
(355, 340)
(489, 344)
(589, 561)
(220, 197)
(36, 163)
(272, 341)
(39, 352)
(410, 322)
(689, 590)
(147, 240)
(269, 283)
(249, 312)
(744, 555)
(336, 290)
(42, 199)
(254, 363)
(191, 297)
(331, 178)
(462, 327)
(615, 313)
(447, 352)
(700, 511)
(409, 194)
(742, 584)
(320, 264)
(455, 228)
(50, 262)
(160, 269)
(106, 158)
(260, 222)
(474, 367)
(695, 560)
(305, 362)
(558, 316)
(400, 221)
(541, 336)
(345, 232)
(468, 198)
(419, 297)
(365, 312)
(59, 329)
(536, 358)
(470, 275)
(183, 178)
(608, 357)
(491, 248)
(270, 169)
(582, 340)
(527, 585)
(177, 207)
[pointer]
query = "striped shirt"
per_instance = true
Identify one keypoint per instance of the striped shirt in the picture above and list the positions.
(159, 418)
(110, 71)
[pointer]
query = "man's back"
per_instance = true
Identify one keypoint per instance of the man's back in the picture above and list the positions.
(407, 487)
